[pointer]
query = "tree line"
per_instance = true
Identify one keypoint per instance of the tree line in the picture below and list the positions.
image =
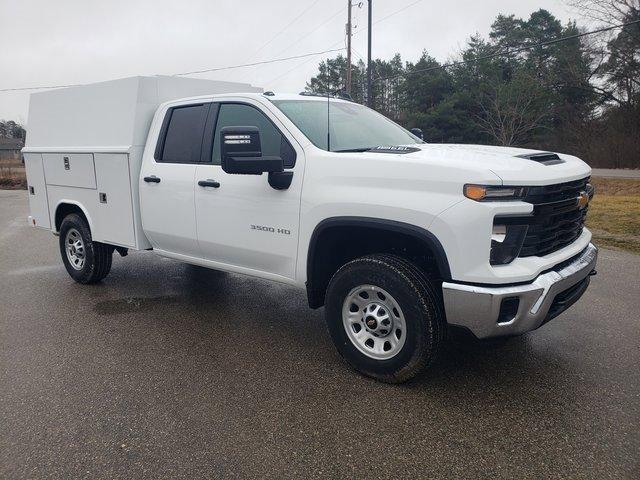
(11, 129)
(579, 96)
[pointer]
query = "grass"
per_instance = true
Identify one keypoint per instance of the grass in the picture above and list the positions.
(12, 175)
(614, 213)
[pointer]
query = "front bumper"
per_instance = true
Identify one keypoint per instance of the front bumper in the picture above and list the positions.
(511, 310)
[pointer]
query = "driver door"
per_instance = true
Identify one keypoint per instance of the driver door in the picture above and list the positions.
(243, 223)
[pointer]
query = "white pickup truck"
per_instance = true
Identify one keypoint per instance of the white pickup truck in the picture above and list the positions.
(397, 238)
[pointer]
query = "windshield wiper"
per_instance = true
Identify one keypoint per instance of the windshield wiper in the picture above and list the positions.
(362, 149)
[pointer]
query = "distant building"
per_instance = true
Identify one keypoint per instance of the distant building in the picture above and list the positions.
(10, 149)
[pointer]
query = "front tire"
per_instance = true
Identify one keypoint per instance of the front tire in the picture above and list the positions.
(86, 261)
(384, 317)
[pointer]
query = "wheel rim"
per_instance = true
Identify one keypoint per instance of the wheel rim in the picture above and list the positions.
(374, 322)
(74, 246)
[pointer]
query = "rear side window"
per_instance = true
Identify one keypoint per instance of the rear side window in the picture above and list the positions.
(241, 115)
(181, 134)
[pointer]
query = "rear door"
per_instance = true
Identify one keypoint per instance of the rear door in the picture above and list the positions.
(167, 181)
(244, 222)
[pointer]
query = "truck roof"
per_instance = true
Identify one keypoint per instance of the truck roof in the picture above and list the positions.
(302, 96)
(267, 95)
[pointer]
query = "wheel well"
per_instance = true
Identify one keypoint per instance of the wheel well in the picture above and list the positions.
(338, 241)
(65, 209)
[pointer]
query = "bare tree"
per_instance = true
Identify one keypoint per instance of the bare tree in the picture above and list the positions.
(616, 53)
(513, 112)
(607, 12)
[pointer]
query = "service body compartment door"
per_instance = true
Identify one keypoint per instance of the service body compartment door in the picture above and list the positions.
(114, 212)
(70, 169)
(38, 203)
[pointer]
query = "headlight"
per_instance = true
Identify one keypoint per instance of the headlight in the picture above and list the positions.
(506, 242)
(484, 193)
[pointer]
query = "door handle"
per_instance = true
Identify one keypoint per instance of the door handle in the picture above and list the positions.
(151, 179)
(209, 183)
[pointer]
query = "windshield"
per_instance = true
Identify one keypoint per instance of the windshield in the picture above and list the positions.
(353, 126)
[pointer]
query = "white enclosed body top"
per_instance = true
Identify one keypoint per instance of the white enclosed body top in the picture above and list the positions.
(84, 147)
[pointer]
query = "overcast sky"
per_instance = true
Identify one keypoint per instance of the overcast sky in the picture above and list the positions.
(51, 42)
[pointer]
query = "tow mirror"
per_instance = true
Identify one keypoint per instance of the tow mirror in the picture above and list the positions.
(418, 133)
(241, 152)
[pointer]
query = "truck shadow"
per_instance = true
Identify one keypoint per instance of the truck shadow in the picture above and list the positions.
(517, 371)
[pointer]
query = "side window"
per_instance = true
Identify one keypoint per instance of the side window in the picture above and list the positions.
(241, 115)
(181, 134)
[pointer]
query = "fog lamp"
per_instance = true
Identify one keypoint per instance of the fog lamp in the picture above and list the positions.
(506, 242)
(499, 233)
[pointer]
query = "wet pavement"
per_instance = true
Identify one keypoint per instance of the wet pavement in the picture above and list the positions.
(170, 371)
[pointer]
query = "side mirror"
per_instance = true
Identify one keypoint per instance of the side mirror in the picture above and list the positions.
(241, 152)
(418, 133)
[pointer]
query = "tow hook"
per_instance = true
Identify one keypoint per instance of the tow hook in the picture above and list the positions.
(593, 273)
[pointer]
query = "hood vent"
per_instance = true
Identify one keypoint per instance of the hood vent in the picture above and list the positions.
(546, 158)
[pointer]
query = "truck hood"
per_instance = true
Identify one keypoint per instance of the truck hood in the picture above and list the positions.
(514, 166)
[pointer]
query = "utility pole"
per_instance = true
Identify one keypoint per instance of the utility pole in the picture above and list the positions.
(369, 93)
(348, 85)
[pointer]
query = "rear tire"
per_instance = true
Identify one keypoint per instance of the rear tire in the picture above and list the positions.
(86, 261)
(385, 317)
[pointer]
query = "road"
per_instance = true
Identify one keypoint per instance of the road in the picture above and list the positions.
(169, 371)
(616, 173)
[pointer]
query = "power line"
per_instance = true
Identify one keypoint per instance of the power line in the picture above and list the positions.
(308, 34)
(285, 27)
(258, 63)
(509, 51)
(301, 38)
(193, 72)
(19, 89)
(359, 55)
(341, 41)
(395, 13)
(301, 64)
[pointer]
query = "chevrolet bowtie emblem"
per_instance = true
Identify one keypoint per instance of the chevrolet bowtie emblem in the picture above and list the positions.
(583, 200)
